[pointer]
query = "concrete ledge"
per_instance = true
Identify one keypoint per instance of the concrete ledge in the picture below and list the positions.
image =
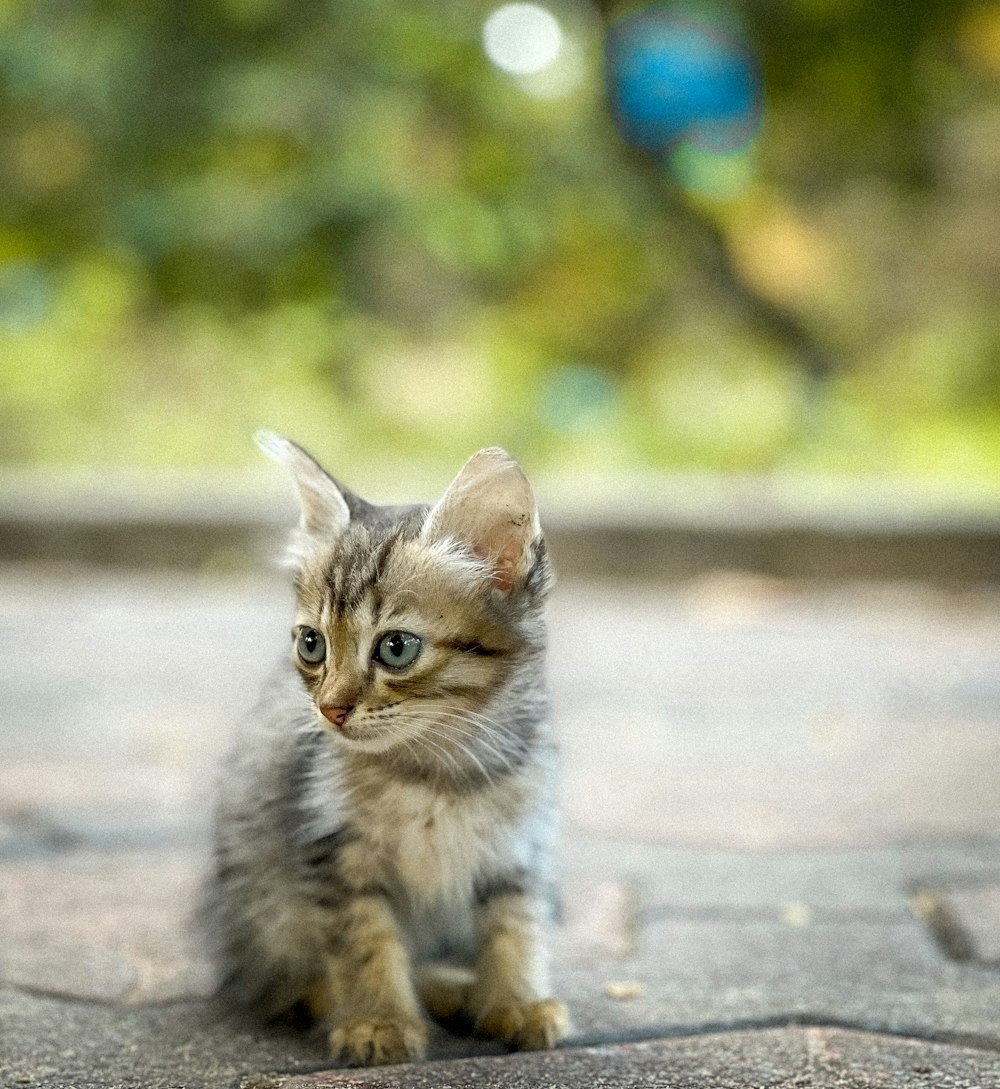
(659, 529)
(673, 551)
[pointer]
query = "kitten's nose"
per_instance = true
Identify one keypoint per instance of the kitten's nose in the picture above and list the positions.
(337, 715)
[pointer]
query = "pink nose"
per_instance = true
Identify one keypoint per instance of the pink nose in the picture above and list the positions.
(337, 715)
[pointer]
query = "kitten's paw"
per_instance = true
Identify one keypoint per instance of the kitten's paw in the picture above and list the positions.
(527, 1026)
(368, 1041)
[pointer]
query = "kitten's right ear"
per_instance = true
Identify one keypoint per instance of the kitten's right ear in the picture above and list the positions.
(490, 508)
(325, 513)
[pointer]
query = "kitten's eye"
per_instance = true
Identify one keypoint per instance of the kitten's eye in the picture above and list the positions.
(311, 646)
(398, 649)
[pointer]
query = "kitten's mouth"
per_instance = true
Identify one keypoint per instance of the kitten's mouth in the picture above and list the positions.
(357, 735)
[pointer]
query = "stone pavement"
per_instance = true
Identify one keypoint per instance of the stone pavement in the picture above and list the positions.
(782, 846)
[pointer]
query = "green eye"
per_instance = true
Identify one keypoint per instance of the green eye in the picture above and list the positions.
(311, 646)
(397, 649)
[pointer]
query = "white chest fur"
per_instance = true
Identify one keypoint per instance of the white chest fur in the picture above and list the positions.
(436, 845)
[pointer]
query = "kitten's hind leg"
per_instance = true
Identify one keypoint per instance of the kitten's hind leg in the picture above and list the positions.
(446, 991)
(317, 1002)
(504, 1001)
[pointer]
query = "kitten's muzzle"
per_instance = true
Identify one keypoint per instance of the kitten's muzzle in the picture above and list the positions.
(337, 715)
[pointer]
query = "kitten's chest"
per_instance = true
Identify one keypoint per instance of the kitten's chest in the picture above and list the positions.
(435, 845)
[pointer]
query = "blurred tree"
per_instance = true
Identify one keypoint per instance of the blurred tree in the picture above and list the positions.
(248, 210)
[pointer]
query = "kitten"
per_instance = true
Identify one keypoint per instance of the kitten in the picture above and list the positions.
(384, 827)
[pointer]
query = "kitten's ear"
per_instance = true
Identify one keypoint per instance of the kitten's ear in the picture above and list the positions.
(490, 507)
(325, 513)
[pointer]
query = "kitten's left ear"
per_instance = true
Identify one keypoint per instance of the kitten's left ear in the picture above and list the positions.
(490, 507)
(325, 512)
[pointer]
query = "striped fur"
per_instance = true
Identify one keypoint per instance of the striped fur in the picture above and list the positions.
(351, 859)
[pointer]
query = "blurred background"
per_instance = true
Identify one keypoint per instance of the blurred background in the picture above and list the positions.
(752, 237)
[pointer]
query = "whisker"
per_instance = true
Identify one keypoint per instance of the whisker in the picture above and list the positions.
(455, 741)
(431, 745)
(413, 749)
(429, 729)
(455, 720)
(498, 742)
(474, 734)
(487, 725)
(465, 750)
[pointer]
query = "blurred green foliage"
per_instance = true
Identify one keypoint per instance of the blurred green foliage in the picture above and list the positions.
(337, 219)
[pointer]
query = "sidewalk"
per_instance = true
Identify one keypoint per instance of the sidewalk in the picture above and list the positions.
(782, 846)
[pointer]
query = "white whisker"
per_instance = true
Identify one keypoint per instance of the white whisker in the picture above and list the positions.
(497, 740)
(430, 728)
(475, 734)
(470, 743)
(465, 750)
(423, 739)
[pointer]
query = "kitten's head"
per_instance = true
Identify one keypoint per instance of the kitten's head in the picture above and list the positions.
(413, 622)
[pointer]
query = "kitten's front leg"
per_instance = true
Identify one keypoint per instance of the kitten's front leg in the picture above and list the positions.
(509, 997)
(375, 1012)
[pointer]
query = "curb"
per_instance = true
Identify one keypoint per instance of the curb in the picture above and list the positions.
(682, 528)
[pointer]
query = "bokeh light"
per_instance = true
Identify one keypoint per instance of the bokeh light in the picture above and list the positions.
(576, 398)
(718, 175)
(25, 294)
(522, 39)
(679, 82)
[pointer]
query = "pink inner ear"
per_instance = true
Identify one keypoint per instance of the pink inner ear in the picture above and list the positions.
(505, 565)
(488, 507)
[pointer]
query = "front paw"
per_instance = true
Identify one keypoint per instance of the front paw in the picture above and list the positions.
(527, 1026)
(367, 1041)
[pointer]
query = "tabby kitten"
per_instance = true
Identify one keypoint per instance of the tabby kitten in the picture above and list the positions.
(384, 827)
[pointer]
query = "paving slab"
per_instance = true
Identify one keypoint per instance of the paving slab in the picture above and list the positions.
(871, 884)
(747, 714)
(104, 927)
(687, 975)
(56, 1044)
(788, 1058)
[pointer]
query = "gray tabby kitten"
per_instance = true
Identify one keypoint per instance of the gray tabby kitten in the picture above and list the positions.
(385, 821)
